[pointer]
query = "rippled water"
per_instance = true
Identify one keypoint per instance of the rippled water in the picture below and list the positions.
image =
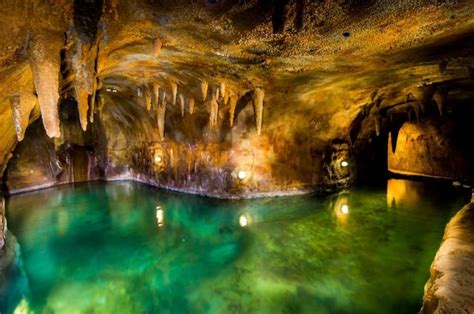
(129, 248)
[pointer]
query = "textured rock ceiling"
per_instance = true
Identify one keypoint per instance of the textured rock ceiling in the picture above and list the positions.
(324, 70)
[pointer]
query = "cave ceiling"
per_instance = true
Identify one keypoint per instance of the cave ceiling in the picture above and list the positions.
(333, 69)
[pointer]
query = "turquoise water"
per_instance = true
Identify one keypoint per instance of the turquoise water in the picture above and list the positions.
(128, 248)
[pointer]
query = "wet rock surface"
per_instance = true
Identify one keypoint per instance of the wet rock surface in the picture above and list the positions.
(450, 288)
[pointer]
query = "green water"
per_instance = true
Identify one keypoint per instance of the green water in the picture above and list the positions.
(104, 248)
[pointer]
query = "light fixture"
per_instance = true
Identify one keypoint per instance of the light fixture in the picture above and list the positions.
(243, 221)
(344, 164)
(242, 174)
(158, 159)
(345, 209)
(160, 216)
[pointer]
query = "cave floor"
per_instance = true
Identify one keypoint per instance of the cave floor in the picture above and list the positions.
(125, 247)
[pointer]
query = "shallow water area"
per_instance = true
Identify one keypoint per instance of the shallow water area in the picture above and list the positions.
(125, 247)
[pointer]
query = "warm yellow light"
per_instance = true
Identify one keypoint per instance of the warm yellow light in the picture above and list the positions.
(344, 164)
(345, 209)
(160, 216)
(242, 174)
(158, 158)
(243, 221)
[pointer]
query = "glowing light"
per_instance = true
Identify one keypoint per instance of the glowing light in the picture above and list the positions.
(344, 164)
(243, 221)
(345, 209)
(160, 216)
(158, 158)
(242, 174)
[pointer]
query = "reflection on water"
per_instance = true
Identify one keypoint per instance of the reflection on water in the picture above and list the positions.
(96, 248)
(403, 193)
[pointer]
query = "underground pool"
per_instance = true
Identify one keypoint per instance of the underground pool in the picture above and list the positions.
(124, 247)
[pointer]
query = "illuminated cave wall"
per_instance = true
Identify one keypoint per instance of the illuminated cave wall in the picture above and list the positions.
(434, 148)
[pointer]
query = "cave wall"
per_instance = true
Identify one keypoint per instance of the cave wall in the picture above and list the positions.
(433, 148)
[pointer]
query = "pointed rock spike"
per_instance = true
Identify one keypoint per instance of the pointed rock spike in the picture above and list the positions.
(258, 96)
(232, 104)
(204, 88)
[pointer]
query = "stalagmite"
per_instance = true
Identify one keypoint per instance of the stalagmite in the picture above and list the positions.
(233, 103)
(182, 104)
(440, 99)
(82, 98)
(204, 88)
(45, 63)
(214, 112)
(22, 105)
(148, 99)
(258, 96)
(191, 105)
(174, 92)
(157, 44)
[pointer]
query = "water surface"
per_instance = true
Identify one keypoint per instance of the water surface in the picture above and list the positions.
(128, 248)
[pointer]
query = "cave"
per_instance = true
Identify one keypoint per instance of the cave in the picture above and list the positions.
(251, 156)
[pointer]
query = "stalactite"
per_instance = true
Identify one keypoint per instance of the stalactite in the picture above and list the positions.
(215, 93)
(44, 59)
(92, 104)
(147, 99)
(82, 98)
(258, 96)
(440, 99)
(156, 95)
(139, 92)
(424, 94)
(377, 125)
(214, 112)
(160, 115)
(191, 105)
(22, 105)
(233, 103)
(417, 110)
(84, 65)
(204, 88)
(182, 104)
(222, 88)
(174, 92)
(157, 44)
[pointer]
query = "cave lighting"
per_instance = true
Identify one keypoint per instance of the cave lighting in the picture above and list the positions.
(344, 164)
(345, 209)
(242, 174)
(243, 221)
(158, 159)
(160, 216)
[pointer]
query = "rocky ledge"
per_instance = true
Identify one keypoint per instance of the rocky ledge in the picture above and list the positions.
(450, 288)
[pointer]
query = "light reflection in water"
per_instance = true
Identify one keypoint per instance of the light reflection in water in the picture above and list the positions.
(345, 209)
(160, 216)
(403, 193)
(340, 207)
(243, 221)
